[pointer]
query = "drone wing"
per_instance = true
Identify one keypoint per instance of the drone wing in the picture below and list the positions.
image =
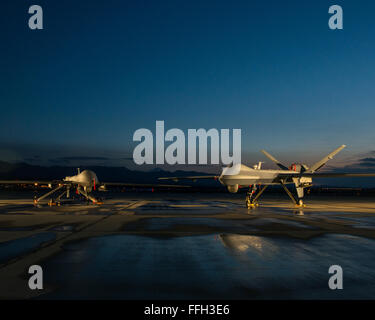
(34, 182)
(337, 175)
(140, 185)
(193, 178)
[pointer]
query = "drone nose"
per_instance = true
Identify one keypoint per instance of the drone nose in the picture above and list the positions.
(220, 178)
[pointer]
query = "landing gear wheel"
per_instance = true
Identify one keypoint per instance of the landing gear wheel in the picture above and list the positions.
(300, 204)
(249, 198)
(250, 204)
(248, 201)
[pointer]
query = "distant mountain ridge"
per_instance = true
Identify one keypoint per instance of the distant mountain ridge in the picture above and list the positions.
(25, 171)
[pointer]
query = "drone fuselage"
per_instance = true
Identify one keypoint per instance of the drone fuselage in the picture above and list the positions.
(243, 176)
(86, 179)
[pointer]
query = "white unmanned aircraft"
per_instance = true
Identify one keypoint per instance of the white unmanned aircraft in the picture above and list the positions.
(84, 183)
(300, 175)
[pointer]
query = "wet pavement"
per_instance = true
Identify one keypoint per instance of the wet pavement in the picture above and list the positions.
(212, 267)
(158, 246)
(18, 247)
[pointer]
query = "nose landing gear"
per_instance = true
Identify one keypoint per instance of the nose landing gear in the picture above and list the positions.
(252, 196)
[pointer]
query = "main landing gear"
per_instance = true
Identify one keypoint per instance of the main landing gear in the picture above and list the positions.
(297, 201)
(51, 202)
(56, 201)
(252, 196)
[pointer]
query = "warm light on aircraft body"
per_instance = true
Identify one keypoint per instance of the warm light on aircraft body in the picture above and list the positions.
(84, 183)
(300, 175)
(247, 176)
(86, 178)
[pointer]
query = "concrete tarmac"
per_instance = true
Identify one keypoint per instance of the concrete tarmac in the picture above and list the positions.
(178, 246)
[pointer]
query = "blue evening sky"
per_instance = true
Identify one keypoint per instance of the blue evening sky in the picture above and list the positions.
(102, 69)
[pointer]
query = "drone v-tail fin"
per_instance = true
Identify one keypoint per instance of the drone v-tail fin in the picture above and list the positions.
(316, 166)
(278, 163)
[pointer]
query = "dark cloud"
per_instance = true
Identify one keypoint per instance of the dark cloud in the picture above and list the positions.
(368, 159)
(366, 162)
(67, 160)
(58, 161)
(32, 159)
(77, 158)
(83, 158)
(360, 165)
